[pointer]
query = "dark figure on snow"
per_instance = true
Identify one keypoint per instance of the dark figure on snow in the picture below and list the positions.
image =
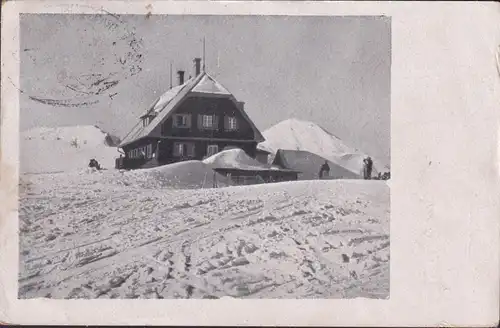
(93, 163)
(324, 170)
(367, 168)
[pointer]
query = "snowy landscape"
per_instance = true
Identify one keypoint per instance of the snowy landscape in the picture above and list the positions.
(163, 157)
(165, 233)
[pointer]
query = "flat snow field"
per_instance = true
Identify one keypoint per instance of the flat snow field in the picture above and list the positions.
(109, 234)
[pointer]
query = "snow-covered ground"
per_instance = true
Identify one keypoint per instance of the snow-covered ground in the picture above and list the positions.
(166, 233)
(294, 134)
(113, 234)
(63, 149)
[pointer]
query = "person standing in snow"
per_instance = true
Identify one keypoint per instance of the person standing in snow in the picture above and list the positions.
(324, 171)
(367, 168)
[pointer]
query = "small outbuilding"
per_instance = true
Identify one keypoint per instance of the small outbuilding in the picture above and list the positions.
(242, 169)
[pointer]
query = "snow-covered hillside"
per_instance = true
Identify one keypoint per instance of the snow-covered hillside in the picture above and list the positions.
(105, 235)
(66, 149)
(294, 134)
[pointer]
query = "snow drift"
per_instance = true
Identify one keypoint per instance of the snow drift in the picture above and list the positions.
(294, 134)
(235, 158)
(183, 175)
(63, 149)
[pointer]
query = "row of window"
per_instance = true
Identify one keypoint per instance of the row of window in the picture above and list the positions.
(205, 122)
(141, 152)
(186, 149)
(181, 149)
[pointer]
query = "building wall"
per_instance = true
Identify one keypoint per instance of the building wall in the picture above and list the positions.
(195, 106)
(166, 149)
(135, 163)
(141, 143)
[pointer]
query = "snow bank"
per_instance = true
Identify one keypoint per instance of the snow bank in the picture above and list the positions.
(234, 159)
(64, 149)
(294, 134)
(184, 175)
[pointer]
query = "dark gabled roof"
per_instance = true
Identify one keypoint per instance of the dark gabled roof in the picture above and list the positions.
(164, 106)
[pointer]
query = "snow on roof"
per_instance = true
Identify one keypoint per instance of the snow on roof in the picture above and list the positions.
(236, 159)
(165, 99)
(165, 105)
(162, 107)
(208, 85)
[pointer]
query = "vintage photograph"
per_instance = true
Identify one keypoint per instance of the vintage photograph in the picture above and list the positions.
(204, 156)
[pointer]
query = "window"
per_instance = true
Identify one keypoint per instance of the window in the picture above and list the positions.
(212, 150)
(208, 121)
(141, 153)
(182, 121)
(183, 149)
(231, 123)
(180, 149)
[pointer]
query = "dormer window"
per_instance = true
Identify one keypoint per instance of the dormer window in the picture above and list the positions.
(146, 120)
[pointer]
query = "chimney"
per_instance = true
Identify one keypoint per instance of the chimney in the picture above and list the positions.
(241, 105)
(181, 77)
(197, 66)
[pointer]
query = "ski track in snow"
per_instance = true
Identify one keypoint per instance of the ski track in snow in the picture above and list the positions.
(106, 235)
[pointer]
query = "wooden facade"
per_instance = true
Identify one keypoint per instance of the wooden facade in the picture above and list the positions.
(189, 122)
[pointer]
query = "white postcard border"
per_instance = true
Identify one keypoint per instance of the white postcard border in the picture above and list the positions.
(444, 186)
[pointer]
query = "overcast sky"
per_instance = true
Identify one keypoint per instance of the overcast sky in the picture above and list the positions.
(106, 70)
